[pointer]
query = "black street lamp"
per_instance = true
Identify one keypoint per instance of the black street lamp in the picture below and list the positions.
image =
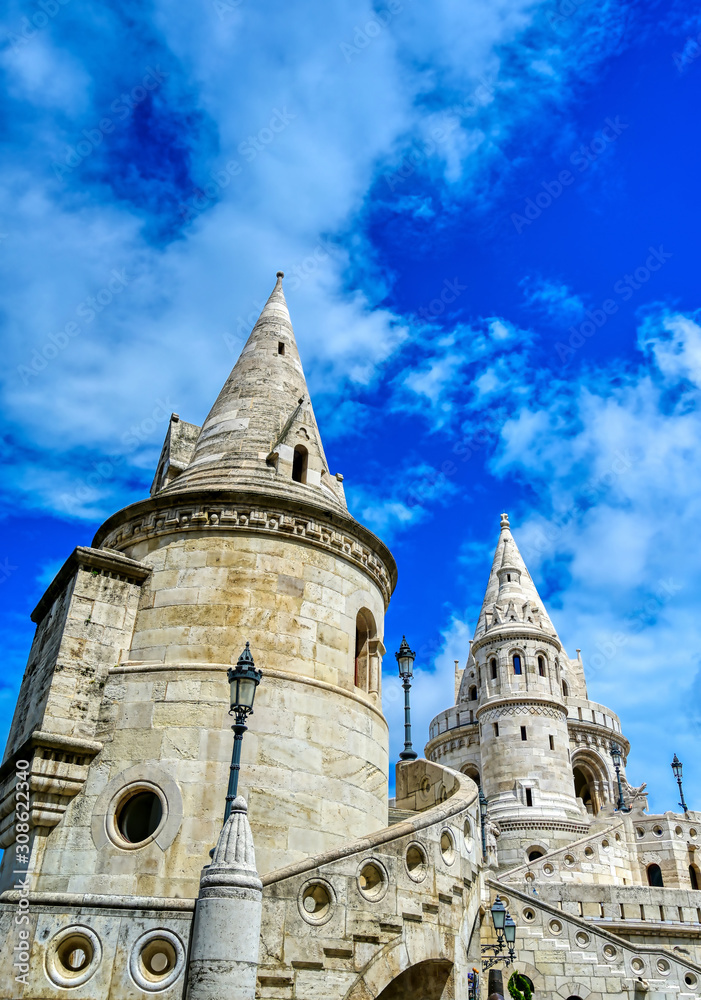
(677, 768)
(505, 927)
(243, 681)
(405, 659)
(616, 756)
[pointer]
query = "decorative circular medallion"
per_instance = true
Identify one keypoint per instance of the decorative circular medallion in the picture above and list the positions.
(157, 960)
(73, 956)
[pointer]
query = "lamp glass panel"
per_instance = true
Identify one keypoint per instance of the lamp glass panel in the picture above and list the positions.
(498, 914)
(677, 768)
(247, 692)
(616, 756)
(509, 929)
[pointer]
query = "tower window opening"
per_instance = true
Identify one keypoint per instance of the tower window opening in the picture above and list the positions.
(693, 877)
(517, 664)
(565, 693)
(493, 668)
(541, 666)
(523, 733)
(364, 632)
(281, 348)
(552, 742)
(473, 693)
(299, 464)
(508, 577)
(529, 797)
(496, 728)
(654, 876)
(535, 854)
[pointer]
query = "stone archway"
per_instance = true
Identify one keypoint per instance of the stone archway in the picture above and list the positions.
(591, 780)
(431, 980)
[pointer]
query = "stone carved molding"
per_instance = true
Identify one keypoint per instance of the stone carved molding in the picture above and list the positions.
(58, 769)
(184, 516)
(592, 735)
(523, 708)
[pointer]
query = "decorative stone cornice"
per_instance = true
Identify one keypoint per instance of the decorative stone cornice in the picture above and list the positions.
(518, 632)
(461, 736)
(215, 511)
(593, 735)
(114, 564)
(521, 705)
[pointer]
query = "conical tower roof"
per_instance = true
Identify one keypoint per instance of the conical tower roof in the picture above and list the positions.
(511, 596)
(261, 415)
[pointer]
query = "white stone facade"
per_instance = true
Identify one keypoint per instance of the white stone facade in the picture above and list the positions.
(121, 742)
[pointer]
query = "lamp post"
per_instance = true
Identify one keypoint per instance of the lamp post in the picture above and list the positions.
(505, 927)
(616, 755)
(243, 681)
(405, 660)
(677, 768)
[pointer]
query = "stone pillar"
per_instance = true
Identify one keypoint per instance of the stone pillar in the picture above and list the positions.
(226, 931)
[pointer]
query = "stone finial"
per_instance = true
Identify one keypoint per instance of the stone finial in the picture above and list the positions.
(504, 523)
(234, 860)
(280, 274)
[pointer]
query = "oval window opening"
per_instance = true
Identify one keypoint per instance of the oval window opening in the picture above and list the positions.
(140, 816)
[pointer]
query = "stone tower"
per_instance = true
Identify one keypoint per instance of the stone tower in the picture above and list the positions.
(246, 536)
(519, 716)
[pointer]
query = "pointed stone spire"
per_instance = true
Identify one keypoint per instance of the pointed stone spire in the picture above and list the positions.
(262, 414)
(511, 594)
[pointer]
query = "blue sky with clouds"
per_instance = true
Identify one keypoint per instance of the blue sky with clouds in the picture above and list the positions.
(488, 214)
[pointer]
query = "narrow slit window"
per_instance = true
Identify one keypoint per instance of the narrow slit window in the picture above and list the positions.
(523, 733)
(529, 797)
(517, 664)
(565, 692)
(552, 742)
(541, 666)
(496, 728)
(281, 348)
(493, 668)
(299, 464)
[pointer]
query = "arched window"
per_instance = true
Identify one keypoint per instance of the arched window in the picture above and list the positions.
(493, 668)
(473, 693)
(654, 876)
(517, 663)
(565, 689)
(299, 464)
(541, 666)
(693, 876)
(364, 632)
(536, 853)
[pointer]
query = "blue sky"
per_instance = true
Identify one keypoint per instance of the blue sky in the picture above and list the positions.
(488, 214)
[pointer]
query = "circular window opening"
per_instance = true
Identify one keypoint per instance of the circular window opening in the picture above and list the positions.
(609, 951)
(678, 830)
(605, 845)
(529, 914)
(447, 847)
(582, 939)
(316, 900)
(74, 954)
(570, 860)
(657, 830)
(588, 852)
(637, 965)
(555, 927)
(692, 833)
(548, 869)
(158, 959)
(663, 966)
(139, 816)
(371, 881)
(416, 863)
(690, 979)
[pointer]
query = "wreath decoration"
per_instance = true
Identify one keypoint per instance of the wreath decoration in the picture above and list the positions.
(520, 987)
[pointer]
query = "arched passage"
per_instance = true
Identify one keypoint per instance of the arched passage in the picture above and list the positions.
(591, 783)
(299, 464)
(471, 771)
(425, 981)
(654, 876)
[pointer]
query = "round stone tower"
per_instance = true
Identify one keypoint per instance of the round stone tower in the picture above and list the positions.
(248, 537)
